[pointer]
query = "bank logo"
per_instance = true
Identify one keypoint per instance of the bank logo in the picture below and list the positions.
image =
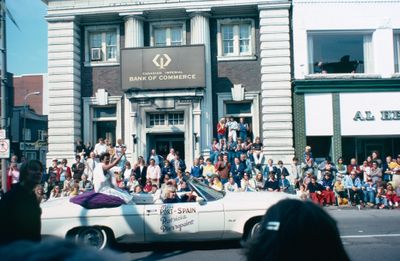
(161, 60)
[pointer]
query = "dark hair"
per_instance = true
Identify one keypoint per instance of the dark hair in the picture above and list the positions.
(30, 165)
(103, 155)
(297, 224)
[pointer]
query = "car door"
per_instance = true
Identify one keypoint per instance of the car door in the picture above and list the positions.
(211, 219)
(174, 221)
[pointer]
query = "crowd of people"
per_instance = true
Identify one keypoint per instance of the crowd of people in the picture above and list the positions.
(236, 163)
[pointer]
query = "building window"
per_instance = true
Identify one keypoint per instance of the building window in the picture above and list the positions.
(175, 118)
(167, 34)
(165, 119)
(238, 108)
(42, 135)
(26, 134)
(31, 155)
(340, 52)
(102, 44)
(397, 52)
(236, 38)
(157, 119)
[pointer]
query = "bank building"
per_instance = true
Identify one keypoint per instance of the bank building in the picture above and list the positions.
(160, 74)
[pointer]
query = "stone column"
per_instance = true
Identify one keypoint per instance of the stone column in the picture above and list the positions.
(134, 30)
(200, 34)
(64, 87)
(133, 38)
(277, 119)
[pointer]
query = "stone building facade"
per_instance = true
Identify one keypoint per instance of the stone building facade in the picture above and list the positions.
(247, 73)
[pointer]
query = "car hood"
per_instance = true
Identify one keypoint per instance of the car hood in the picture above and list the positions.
(244, 201)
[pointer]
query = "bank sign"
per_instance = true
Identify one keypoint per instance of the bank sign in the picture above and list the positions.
(163, 68)
(370, 113)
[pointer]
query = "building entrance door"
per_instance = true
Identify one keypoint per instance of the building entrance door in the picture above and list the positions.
(162, 143)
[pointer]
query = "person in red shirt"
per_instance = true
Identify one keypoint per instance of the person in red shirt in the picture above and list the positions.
(221, 129)
(354, 166)
(316, 190)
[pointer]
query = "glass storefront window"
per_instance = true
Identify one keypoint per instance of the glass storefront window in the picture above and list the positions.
(340, 52)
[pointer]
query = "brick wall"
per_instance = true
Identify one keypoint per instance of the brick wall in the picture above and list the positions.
(26, 84)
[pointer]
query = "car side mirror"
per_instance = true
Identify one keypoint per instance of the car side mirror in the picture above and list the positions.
(201, 201)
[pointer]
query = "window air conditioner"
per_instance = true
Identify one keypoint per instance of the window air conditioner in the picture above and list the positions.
(95, 54)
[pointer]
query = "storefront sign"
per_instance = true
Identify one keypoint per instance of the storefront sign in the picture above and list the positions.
(385, 116)
(319, 114)
(370, 113)
(163, 68)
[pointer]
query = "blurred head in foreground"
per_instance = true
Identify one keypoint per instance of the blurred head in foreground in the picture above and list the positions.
(296, 230)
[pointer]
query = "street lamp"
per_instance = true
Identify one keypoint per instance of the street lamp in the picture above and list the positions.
(24, 129)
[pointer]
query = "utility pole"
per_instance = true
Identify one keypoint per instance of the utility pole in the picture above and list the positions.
(3, 88)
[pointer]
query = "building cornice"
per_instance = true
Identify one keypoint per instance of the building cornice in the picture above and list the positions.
(76, 8)
(351, 85)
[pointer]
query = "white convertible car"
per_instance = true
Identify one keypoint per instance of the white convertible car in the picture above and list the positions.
(215, 215)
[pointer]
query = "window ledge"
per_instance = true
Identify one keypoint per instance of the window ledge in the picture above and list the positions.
(100, 64)
(236, 58)
(343, 76)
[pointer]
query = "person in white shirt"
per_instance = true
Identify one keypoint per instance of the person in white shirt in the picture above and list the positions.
(90, 165)
(171, 155)
(100, 148)
(233, 126)
(153, 173)
(231, 185)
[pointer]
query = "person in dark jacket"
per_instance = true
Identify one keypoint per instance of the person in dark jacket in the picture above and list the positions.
(272, 184)
(315, 189)
(19, 208)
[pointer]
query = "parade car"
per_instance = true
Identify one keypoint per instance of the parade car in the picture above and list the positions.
(214, 215)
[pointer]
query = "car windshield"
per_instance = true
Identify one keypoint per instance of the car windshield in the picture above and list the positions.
(205, 191)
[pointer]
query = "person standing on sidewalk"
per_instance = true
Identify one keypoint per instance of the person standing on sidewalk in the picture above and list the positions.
(19, 208)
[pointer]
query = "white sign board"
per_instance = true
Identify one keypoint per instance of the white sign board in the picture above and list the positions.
(2, 134)
(319, 114)
(370, 113)
(4, 149)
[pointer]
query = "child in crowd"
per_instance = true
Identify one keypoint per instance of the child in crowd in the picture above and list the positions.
(284, 183)
(147, 187)
(380, 198)
(340, 192)
(55, 192)
(132, 183)
(391, 196)
(138, 189)
(327, 183)
(307, 151)
(302, 193)
(369, 190)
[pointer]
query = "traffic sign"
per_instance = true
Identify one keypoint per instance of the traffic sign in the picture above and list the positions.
(2, 134)
(4, 149)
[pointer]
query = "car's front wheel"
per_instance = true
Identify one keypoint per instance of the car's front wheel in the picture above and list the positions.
(255, 229)
(96, 237)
